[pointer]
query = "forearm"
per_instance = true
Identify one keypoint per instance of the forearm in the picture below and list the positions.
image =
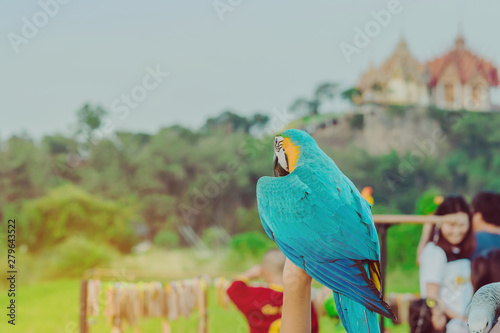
(433, 293)
(426, 231)
(482, 226)
(452, 314)
(296, 316)
(438, 318)
(251, 274)
(491, 228)
(496, 328)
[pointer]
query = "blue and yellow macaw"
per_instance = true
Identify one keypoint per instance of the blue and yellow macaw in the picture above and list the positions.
(320, 221)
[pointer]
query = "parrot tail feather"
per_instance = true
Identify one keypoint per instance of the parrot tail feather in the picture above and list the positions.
(354, 316)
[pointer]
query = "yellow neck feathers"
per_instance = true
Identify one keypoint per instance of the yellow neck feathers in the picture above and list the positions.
(292, 153)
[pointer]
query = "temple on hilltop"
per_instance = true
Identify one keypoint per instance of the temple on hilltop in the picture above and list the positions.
(457, 80)
(400, 80)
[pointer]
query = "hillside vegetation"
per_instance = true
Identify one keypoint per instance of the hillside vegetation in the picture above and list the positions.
(125, 187)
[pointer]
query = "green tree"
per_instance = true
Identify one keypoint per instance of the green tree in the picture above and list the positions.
(325, 92)
(67, 210)
(351, 95)
(89, 119)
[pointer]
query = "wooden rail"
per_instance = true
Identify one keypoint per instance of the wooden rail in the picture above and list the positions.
(413, 219)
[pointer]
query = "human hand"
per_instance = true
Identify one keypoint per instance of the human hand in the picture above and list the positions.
(496, 328)
(438, 318)
(296, 316)
(295, 276)
(253, 273)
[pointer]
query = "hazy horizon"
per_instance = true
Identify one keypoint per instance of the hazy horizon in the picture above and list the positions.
(261, 56)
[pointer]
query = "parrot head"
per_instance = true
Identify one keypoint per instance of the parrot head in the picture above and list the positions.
(288, 147)
(367, 193)
(479, 322)
(368, 190)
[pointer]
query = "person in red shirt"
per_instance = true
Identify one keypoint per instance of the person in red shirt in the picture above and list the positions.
(262, 306)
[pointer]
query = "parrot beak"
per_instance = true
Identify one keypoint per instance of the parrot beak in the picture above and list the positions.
(275, 165)
(278, 169)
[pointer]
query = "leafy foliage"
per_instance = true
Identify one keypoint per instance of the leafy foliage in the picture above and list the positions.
(253, 244)
(167, 239)
(77, 254)
(118, 189)
(324, 92)
(351, 94)
(89, 120)
(68, 210)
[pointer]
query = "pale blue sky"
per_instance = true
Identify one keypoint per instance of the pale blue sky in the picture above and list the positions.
(263, 55)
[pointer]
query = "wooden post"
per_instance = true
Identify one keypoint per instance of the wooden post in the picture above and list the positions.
(206, 308)
(83, 306)
(382, 233)
(165, 326)
(203, 306)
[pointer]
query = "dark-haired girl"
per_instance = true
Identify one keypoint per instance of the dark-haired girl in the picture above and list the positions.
(445, 266)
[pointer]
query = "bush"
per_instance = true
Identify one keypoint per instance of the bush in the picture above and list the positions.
(397, 110)
(248, 219)
(402, 243)
(167, 239)
(69, 210)
(253, 244)
(215, 238)
(77, 254)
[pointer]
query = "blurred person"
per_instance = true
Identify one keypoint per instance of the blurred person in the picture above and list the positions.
(445, 268)
(262, 306)
(485, 269)
(486, 222)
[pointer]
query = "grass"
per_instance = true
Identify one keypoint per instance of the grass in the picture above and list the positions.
(53, 305)
(45, 307)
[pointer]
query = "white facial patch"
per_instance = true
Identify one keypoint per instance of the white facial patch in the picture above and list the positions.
(280, 152)
(479, 322)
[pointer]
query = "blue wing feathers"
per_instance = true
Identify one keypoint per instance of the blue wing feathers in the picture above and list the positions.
(346, 277)
(354, 317)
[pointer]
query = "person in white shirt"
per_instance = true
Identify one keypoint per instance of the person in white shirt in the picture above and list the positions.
(445, 268)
